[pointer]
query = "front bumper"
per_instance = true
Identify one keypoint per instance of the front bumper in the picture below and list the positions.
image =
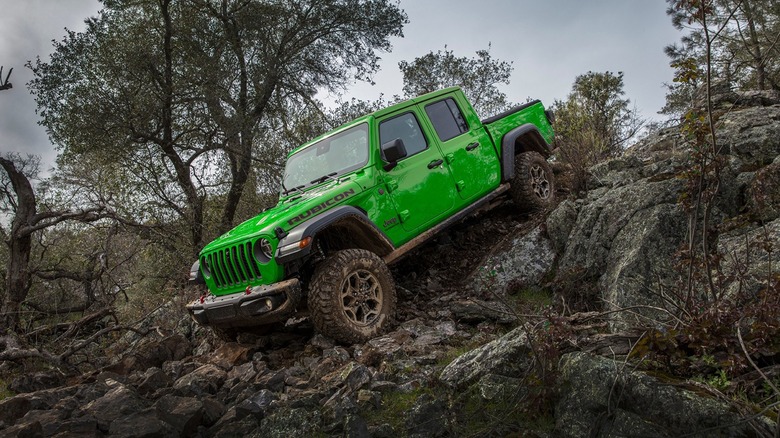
(262, 305)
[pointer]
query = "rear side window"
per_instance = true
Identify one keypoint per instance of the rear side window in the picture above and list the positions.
(407, 129)
(447, 119)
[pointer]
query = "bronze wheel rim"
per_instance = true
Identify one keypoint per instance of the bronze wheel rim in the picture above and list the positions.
(361, 297)
(539, 182)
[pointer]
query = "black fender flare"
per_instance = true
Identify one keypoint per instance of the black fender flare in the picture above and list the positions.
(288, 249)
(532, 141)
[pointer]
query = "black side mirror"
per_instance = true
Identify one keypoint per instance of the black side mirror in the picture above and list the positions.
(393, 151)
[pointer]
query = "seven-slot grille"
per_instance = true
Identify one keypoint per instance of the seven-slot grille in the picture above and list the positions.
(232, 265)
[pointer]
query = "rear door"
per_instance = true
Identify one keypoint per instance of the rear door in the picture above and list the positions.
(467, 149)
(420, 185)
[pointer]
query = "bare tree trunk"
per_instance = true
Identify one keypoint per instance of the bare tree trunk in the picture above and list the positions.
(183, 178)
(758, 58)
(17, 281)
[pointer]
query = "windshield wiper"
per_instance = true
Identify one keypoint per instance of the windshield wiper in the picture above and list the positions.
(324, 178)
(294, 189)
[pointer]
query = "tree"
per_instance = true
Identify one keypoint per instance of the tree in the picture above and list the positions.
(178, 93)
(595, 122)
(19, 200)
(743, 51)
(478, 77)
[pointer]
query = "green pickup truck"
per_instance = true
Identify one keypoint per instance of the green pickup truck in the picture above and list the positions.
(359, 198)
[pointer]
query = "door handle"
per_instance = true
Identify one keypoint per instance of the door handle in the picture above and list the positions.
(472, 146)
(435, 163)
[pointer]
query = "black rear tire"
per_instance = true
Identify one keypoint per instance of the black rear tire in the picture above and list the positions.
(352, 296)
(533, 186)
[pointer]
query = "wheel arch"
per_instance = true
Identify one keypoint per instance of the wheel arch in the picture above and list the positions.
(342, 228)
(524, 138)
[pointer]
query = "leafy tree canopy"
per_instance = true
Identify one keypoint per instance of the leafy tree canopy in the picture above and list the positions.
(478, 77)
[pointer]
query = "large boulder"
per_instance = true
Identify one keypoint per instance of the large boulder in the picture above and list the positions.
(521, 260)
(622, 245)
(509, 355)
(601, 397)
(751, 134)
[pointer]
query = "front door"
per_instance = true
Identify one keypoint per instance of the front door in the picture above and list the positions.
(420, 185)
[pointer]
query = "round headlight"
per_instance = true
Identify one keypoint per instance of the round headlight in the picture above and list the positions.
(263, 250)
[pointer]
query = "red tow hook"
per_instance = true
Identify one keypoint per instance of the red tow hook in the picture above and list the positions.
(248, 290)
(202, 298)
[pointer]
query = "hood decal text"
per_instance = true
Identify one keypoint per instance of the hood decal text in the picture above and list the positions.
(321, 207)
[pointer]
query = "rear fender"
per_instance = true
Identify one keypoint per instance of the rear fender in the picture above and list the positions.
(524, 138)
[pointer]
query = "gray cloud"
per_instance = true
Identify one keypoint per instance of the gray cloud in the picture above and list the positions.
(28, 28)
(550, 42)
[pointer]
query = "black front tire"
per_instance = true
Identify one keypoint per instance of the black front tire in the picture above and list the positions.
(352, 296)
(533, 186)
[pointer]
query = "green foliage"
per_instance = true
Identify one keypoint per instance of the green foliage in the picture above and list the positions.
(180, 95)
(743, 52)
(594, 123)
(478, 77)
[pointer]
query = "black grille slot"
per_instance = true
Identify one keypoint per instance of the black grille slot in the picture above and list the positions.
(232, 265)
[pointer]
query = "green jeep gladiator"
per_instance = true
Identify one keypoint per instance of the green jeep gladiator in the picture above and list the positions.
(360, 197)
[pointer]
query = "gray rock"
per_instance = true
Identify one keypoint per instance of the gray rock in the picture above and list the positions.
(523, 260)
(508, 355)
(36, 381)
(117, 403)
(752, 134)
(153, 379)
(745, 251)
(207, 379)
(497, 387)
(50, 420)
(427, 418)
(183, 414)
(623, 242)
(256, 405)
(602, 397)
(16, 407)
(763, 194)
(560, 223)
(640, 257)
(285, 423)
(141, 424)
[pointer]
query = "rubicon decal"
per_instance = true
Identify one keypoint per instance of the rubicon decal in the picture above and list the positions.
(321, 207)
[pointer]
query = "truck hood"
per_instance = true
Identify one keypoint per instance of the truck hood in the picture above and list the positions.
(290, 212)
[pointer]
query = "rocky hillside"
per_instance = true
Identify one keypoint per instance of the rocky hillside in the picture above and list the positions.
(507, 325)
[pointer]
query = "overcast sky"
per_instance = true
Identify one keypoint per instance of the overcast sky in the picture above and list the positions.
(550, 43)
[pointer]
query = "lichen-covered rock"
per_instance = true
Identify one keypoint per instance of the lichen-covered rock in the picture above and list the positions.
(752, 134)
(764, 193)
(601, 397)
(624, 241)
(427, 418)
(751, 253)
(285, 423)
(522, 260)
(560, 223)
(508, 355)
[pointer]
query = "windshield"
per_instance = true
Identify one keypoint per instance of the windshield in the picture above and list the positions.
(329, 157)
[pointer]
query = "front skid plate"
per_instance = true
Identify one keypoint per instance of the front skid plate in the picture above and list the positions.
(262, 305)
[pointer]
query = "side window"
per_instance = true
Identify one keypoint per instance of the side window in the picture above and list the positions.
(447, 119)
(407, 129)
